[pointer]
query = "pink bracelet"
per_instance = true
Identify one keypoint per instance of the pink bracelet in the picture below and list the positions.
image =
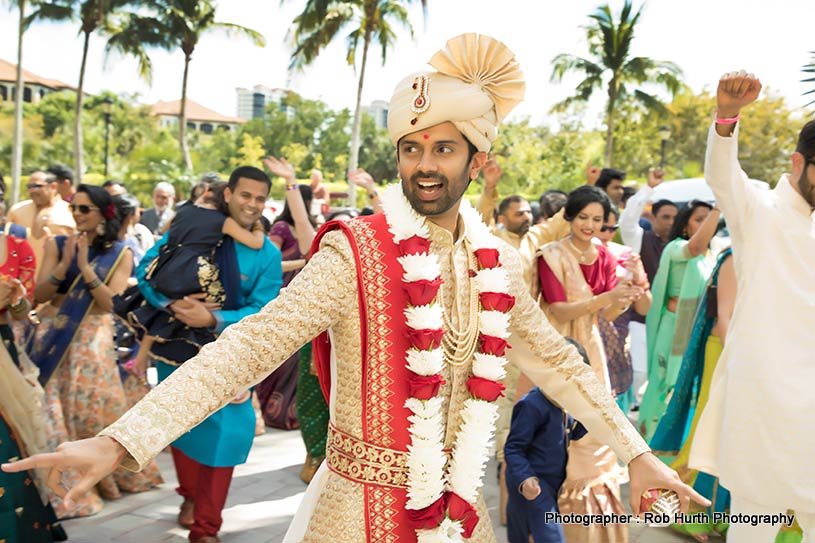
(728, 120)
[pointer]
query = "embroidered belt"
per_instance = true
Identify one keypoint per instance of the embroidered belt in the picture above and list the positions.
(363, 462)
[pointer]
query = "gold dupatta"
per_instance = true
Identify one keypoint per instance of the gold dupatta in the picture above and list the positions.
(583, 329)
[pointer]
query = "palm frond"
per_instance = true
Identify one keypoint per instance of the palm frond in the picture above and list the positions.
(809, 69)
(49, 11)
(352, 41)
(650, 102)
(235, 30)
(308, 46)
(565, 63)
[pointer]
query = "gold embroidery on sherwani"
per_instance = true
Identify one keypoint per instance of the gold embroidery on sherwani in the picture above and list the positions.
(364, 462)
(381, 511)
(338, 517)
(374, 281)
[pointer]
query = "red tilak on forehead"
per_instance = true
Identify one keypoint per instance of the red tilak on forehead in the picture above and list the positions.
(426, 136)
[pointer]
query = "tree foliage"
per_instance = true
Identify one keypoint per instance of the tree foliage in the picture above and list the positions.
(611, 67)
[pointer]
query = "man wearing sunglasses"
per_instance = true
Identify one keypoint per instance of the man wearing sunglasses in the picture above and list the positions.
(45, 213)
(757, 432)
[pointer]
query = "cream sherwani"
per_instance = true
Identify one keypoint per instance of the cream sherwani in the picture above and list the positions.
(324, 296)
(757, 432)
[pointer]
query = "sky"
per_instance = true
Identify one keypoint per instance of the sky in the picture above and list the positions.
(704, 37)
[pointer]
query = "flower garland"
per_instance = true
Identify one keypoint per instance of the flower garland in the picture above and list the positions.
(442, 499)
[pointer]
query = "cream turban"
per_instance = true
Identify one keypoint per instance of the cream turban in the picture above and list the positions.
(476, 84)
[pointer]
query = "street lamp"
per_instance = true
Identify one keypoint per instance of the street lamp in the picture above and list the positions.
(664, 136)
(107, 106)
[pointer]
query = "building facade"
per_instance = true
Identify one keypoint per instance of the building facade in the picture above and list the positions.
(35, 87)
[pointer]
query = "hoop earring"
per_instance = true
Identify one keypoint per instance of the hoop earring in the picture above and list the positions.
(100, 228)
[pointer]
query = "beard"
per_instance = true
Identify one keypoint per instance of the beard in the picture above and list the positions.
(520, 229)
(450, 192)
(806, 188)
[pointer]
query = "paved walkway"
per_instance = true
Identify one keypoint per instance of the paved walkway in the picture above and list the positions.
(264, 496)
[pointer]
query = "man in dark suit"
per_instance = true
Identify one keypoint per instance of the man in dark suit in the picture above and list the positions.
(157, 217)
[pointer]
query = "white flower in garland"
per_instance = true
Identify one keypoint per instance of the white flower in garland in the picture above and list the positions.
(489, 366)
(449, 531)
(478, 234)
(473, 443)
(492, 280)
(418, 267)
(424, 317)
(425, 362)
(426, 452)
(403, 221)
(494, 323)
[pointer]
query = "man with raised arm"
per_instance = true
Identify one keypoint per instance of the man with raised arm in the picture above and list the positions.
(757, 432)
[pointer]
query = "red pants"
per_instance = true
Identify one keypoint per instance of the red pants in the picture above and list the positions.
(207, 487)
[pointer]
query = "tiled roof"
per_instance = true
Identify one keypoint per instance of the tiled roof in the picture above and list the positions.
(8, 73)
(195, 112)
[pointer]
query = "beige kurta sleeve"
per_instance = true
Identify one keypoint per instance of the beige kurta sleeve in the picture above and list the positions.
(556, 367)
(242, 356)
(554, 229)
(487, 204)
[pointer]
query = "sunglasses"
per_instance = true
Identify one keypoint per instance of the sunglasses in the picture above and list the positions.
(82, 208)
(609, 228)
(32, 186)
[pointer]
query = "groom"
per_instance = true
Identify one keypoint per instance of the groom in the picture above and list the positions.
(442, 123)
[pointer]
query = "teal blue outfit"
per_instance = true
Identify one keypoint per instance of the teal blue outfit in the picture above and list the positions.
(678, 422)
(224, 439)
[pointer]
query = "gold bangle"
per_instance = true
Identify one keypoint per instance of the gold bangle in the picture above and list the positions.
(94, 284)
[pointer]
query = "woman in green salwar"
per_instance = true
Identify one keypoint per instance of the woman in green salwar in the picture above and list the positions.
(676, 290)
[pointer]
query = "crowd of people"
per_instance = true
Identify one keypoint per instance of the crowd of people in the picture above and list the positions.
(96, 292)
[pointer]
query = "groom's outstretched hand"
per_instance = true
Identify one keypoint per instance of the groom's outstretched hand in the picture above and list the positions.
(92, 458)
(646, 472)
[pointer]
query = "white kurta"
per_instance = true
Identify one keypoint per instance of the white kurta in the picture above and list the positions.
(757, 432)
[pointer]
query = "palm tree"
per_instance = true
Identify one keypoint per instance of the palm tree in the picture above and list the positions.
(610, 64)
(129, 33)
(810, 69)
(369, 20)
(17, 145)
(23, 23)
(186, 21)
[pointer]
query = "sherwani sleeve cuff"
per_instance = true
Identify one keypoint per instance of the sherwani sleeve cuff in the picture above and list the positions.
(137, 457)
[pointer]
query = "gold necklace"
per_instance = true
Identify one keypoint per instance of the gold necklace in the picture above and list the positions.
(459, 345)
(581, 254)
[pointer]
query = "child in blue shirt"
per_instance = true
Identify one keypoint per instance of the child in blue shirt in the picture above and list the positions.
(536, 453)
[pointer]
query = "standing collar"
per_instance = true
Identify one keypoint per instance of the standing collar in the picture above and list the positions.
(444, 236)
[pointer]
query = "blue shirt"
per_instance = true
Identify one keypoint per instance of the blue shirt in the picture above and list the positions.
(261, 277)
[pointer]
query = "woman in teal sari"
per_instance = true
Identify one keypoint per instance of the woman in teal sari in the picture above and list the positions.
(674, 434)
(677, 288)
